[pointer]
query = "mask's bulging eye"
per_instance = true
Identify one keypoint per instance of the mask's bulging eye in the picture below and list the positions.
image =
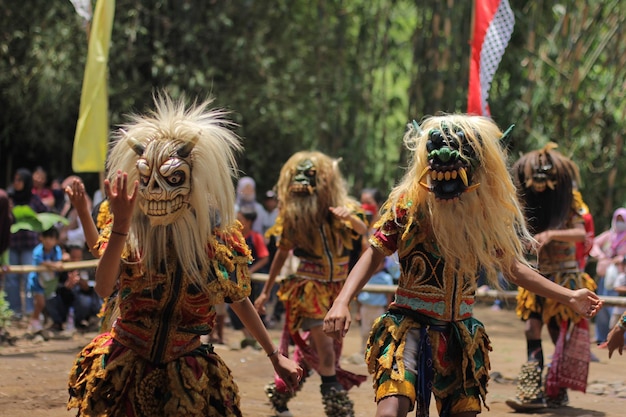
(165, 186)
(435, 140)
(177, 178)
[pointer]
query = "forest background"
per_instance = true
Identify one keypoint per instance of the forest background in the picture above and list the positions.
(343, 77)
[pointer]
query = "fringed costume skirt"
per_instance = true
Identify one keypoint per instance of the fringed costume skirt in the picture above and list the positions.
(109, 379)
(307, 298)
(530, 304)
(415, 355)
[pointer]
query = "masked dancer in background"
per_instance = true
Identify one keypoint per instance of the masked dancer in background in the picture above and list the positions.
(546, 182)
(320, 223)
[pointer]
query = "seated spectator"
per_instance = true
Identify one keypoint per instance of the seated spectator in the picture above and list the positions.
(76, 291)
(21, 244)
(619, 286)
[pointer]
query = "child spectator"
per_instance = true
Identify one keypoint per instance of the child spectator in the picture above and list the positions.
(43, 284)
(22, 243)
(73, 233)
(620, 288)
(6, 219)
(270, 206)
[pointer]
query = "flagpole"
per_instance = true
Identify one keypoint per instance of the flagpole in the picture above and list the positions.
(92, 128)
(88, 33)
(471, 50)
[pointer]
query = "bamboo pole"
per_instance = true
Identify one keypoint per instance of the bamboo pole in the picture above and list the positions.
(488, 295)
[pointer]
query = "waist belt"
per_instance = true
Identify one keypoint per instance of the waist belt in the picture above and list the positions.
(422, 319)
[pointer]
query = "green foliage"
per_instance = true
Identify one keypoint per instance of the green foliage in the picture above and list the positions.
(340, 77)
(561, 80)
(5, 311)
(41, 46)
(27, 219)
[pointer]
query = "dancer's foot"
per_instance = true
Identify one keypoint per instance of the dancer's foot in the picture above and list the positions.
(520, 405)
(561, 400)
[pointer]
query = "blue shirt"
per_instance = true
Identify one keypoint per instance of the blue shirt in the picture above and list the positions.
(376, 299)
(47, 280)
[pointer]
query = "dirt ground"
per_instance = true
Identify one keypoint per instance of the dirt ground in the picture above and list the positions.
(33, 376)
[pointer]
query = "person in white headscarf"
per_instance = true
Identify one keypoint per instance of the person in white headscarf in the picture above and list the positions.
(246, 196)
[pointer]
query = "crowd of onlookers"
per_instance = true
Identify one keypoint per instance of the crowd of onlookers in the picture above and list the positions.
(48, 300)
(52, 297)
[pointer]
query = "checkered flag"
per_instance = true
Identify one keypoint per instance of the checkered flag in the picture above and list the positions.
(493, 26)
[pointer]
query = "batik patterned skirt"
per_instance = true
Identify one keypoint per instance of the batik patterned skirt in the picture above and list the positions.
(415, 355)
(548, 309)
(109, 379)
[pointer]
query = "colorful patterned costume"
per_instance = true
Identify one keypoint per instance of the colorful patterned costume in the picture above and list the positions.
(454, 217)
(309, 184)
(152, 362)
(320, 274)
(109, 310)
(171, 250)
(434, 305)
(557, 262)
(546, 182)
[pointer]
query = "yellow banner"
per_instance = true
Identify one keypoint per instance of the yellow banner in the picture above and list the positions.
(92, 130)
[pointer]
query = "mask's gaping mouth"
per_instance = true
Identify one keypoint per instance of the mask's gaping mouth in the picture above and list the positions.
(447, 183)
(304, 180)
(448, 174)
(302, 190)
(543, 178)
(164, 212)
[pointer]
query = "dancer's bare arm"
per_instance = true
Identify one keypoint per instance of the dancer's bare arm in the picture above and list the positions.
(338, 319)
(275, 268)
(583, 301)
(287, 369)
(122, 205)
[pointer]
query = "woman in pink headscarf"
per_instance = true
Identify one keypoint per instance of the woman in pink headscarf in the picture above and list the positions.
(608, 248)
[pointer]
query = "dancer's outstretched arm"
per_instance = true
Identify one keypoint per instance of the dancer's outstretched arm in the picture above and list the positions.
(338, 319)
(583, 301)
(288, 370)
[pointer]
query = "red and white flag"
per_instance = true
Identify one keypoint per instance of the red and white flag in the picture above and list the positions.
(493, 26)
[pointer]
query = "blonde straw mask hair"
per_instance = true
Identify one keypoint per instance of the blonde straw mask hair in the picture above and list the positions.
(211, 164)
(484, 227)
